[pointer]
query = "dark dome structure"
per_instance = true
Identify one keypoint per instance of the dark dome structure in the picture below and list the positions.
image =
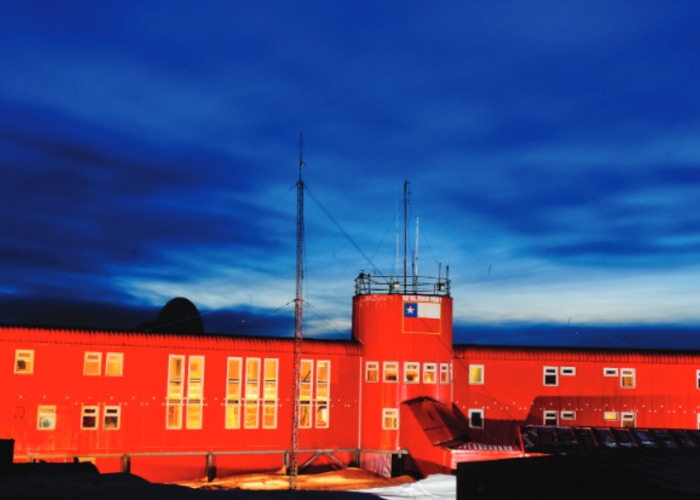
(179, 315)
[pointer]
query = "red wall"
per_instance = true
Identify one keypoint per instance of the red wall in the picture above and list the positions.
(141, 394)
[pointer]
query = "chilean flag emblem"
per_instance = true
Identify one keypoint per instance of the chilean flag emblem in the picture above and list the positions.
(421, 317)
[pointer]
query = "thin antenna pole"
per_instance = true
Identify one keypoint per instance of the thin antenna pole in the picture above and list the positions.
(416, 267)
(405, 229)
(298, 321)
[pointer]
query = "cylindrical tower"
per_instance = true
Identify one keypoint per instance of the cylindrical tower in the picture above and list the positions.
(406, 331)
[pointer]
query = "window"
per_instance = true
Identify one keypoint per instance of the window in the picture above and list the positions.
(195, 392)
(391, 371)
(24, 361)
(323, 369)
(568, 371)
(445, 373)
(252, 393)
(550, 375)
(89, 417)
(627, 418)
(697, 379)
(549, 417)
(476, 418)
(176, 368)
(92, 366)
(610, 416)
(112, 416)
(610, 372)
(568, 415)
(270, 394)
(307, 380)
(46, 418)
(411, 372)
(372, 371)
(627, 378)
(390, 418)
(114, 366)
(233, 393)
(429, 373)
(476, 374)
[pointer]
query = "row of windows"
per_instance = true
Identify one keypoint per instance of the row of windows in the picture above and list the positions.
(246, 393)
(89, 418)
(92, 363)
(411, 372)
(551, 374)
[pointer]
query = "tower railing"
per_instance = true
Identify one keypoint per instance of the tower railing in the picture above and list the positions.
(367, 284)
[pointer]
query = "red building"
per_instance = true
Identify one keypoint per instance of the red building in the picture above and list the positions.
(181, 405)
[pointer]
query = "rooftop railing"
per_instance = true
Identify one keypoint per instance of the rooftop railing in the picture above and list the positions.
(367, 284)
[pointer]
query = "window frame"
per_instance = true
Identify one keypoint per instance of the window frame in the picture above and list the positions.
(567, 371)
(97, 362)
(628, 374)
(550, 371)
(232, 408)
(270, 392)
(323, 394)
(549, 415)
(112, 412)
(46, 413)
(412, 369)
(476, 369)
(610, 372)
(251, 398)
(567, 415)
(445, 376)
(430, 371)
(385, 369)
(19, 354)
(390, 415)
(476, 418)
(112, 359)
(372, 367)
(90, 411)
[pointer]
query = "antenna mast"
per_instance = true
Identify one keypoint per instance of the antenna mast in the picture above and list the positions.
(298, 317)
(405, 228)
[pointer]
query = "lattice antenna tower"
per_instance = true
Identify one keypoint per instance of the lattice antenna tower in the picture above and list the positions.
(298, 322)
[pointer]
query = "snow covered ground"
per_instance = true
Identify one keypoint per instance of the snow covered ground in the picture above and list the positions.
(440, 486)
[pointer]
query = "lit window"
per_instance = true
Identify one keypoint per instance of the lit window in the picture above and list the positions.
(252, 393)
(390, 418)
(176, 368)
(627, 378)
(568, 415)
(568, 371)
(195, 392)
(411, 372)
(476, 418)
(323, 369)
(429, 373)
(46, 418)
(93, 364)
(112, 416)
(610, 372)
(372, 371)
(549, 417)
(89, 416)
(24, 362)
(233, 394)
(476, 374)
(306, 381)
(173, 415)
(550, 375)
(627, 419)
(270, 394)
(610, 416)
(445, 373)
(115, 364)
(391, 371)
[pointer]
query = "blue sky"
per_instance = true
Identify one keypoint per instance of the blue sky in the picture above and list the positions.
(149, 150)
